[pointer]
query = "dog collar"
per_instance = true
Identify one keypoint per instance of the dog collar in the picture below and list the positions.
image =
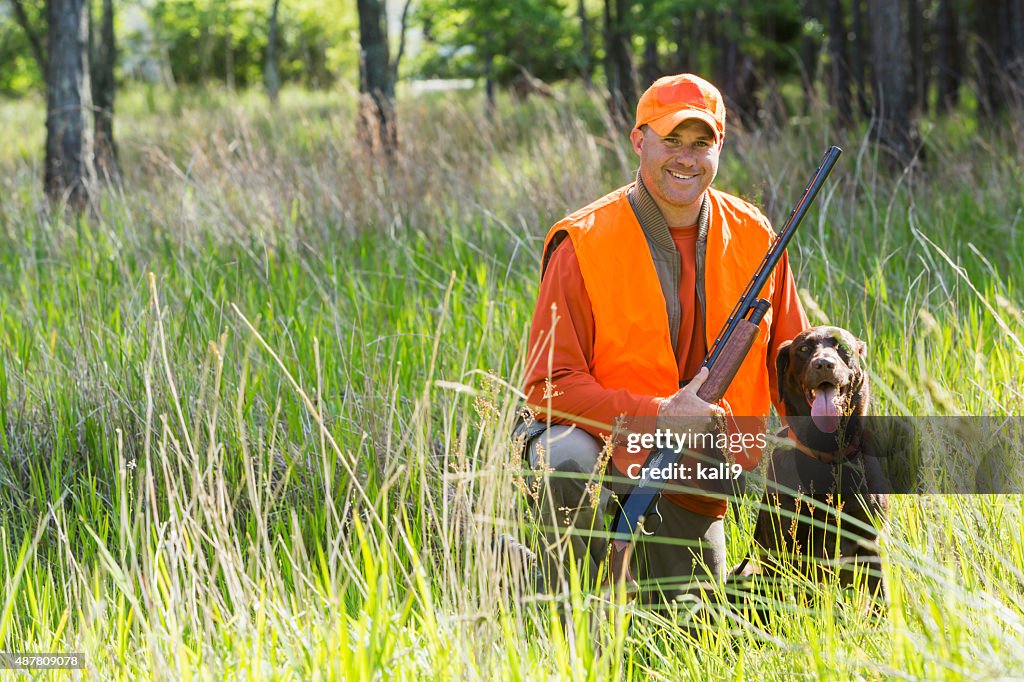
(820, 455)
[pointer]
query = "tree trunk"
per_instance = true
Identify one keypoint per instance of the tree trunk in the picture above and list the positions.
(1017, 40)
(729, 58)
(622, 91)
(893, 127)
(104, 91)
(377, 124)
(767, 68)
(774, 105)
(809, 51)
(586, 65)
(999, 55)
(690, 32)
(990, 26)
(490, 97)
(651, 71)
(229, 54)
(839, 73)
(735, 73)
(271, 77)
(948, 57)
(918, 63)
(69, 170)
(1013, 52)
(860, 49)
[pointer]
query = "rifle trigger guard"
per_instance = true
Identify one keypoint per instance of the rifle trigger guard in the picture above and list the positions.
(643, 527)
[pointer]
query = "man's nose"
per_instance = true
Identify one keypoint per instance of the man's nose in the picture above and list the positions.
(686, 155)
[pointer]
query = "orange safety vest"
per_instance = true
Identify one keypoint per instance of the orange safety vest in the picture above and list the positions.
(632, 346)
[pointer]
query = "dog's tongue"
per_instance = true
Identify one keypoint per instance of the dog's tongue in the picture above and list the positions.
(823, 409)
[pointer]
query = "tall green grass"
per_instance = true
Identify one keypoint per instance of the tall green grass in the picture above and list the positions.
(254, 407)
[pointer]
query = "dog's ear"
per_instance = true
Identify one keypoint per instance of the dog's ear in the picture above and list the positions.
(782, 361)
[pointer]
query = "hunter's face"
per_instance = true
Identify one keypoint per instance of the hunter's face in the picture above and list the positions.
(678, 168)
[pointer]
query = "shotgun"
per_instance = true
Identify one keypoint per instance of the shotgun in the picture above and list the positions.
(723, 361)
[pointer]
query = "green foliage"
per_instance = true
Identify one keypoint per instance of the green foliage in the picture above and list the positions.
(464, 36)
(196, 41)
(19, 72)
(767, 32)
(226, 41)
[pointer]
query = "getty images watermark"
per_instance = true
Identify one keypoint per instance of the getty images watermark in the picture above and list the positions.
(666, 439)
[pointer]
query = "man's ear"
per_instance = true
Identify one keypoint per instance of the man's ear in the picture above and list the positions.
(637, 138)
(782, 363)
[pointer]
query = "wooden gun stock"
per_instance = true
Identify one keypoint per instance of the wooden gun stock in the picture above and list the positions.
(729, 361)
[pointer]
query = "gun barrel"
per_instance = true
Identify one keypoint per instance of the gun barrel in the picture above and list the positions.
(774, 255)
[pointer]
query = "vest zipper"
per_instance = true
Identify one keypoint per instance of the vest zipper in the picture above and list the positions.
(703, 220)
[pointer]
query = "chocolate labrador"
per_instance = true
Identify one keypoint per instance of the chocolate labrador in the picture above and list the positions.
(824, 488)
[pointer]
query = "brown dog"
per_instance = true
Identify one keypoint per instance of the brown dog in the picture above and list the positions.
(824, 487)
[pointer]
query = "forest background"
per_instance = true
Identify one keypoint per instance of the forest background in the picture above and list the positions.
(268, 270)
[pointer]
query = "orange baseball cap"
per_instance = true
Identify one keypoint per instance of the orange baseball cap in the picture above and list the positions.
(673, 99)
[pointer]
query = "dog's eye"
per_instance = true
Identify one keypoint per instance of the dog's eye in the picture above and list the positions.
(802, 349)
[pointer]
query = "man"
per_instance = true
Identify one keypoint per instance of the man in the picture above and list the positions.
(634, 287)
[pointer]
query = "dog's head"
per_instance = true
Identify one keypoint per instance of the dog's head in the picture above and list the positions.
(824, 386)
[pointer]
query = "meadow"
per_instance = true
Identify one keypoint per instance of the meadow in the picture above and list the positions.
(255, 404)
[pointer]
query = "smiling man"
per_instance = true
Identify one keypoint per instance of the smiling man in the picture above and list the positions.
(633, 289)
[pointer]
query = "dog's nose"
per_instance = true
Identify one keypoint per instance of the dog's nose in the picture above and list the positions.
(823, 364)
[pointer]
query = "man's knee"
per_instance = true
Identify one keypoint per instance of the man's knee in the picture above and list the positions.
(565, 449)
(571, 457)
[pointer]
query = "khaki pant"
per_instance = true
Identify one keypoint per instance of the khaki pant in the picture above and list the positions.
(574, 500)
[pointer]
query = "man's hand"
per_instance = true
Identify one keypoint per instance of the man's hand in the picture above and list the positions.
(683, 410)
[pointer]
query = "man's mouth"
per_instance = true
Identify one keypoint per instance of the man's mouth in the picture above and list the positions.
(682, 176)
(827, 403)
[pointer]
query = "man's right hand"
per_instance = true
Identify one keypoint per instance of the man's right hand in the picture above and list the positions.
(684, 410)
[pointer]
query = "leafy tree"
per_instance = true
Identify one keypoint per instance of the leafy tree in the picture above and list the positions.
(498, 40)
(22, 46)
(226, 40)
(744, 47)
